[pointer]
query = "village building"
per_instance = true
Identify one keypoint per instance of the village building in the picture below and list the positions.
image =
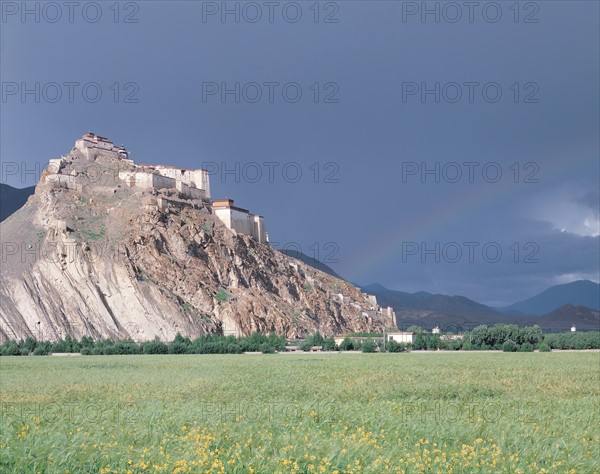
(401, 337)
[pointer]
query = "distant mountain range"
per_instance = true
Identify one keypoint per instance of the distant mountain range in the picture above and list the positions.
(451, 313)
(577, 293)
(561, 319)
(459, 313)
(556, 308)
(12, 199)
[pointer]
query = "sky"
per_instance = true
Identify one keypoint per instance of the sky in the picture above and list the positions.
(427, 146)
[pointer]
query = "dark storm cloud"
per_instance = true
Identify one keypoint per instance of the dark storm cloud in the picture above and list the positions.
(318, 125)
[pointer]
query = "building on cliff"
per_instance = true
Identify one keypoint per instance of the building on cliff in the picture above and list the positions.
(240, 220)
(69, 172)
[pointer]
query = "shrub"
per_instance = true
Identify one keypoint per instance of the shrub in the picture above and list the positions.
(525, 347)
(347, 345)
(267, 348)
(178, 348)
(29, 344)
(509, 346)
(433, 342)
(329, 344)
(544, 347)
(456, 345)
(369, 346)
(233, 348)
(40, 351)
(11, 349)
(420, 343)
(316, 340)
(126, 347)
(155, 347)
(222, 296)
(393, 346)
(180, 345)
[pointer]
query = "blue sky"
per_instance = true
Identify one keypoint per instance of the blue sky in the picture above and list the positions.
(342, 170)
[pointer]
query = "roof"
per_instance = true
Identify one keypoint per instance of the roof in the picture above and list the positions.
(146, 165)
(228, 204)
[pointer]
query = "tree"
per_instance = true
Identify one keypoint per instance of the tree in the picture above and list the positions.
(419, 343)
(347, 345)
(531, 334)
(433, 342)
(369, 346)
(29, 344)
(544, 347)
(329, 344)
(414, 328)
(509, 346)
(393, 346)
(154, 347)
(525, 347)
(479, 336)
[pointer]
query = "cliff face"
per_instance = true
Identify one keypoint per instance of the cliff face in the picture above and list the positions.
(97, 258)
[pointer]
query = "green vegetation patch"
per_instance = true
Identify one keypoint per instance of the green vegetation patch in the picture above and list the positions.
(369, 413)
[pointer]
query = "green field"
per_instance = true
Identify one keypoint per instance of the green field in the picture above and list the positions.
(427, 412)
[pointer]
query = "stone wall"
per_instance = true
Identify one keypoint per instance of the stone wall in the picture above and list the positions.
(64, 181)
(193, 178)
(145, 180)
(189, 192)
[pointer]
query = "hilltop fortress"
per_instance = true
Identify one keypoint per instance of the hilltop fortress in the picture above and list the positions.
(102, 167)
(109, 185)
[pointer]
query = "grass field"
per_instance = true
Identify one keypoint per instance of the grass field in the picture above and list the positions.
(437, 412)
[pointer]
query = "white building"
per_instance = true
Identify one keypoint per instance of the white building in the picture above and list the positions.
(198, 179)
(401, 337)
(240, 220)
(573, 328)
(91, 145)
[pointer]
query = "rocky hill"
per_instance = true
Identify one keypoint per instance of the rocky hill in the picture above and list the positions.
(88, 255)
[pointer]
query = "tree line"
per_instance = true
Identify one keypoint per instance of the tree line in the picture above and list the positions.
(504, 337)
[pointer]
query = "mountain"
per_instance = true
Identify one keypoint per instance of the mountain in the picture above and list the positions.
(561, 319)
(103, 256)
(12, 199)
(429, 310)
(577, 293)
(310, 261)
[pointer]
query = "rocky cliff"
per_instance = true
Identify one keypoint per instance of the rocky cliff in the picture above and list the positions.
(88, 255)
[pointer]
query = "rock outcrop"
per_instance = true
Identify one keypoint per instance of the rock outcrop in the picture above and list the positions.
(90, 256)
